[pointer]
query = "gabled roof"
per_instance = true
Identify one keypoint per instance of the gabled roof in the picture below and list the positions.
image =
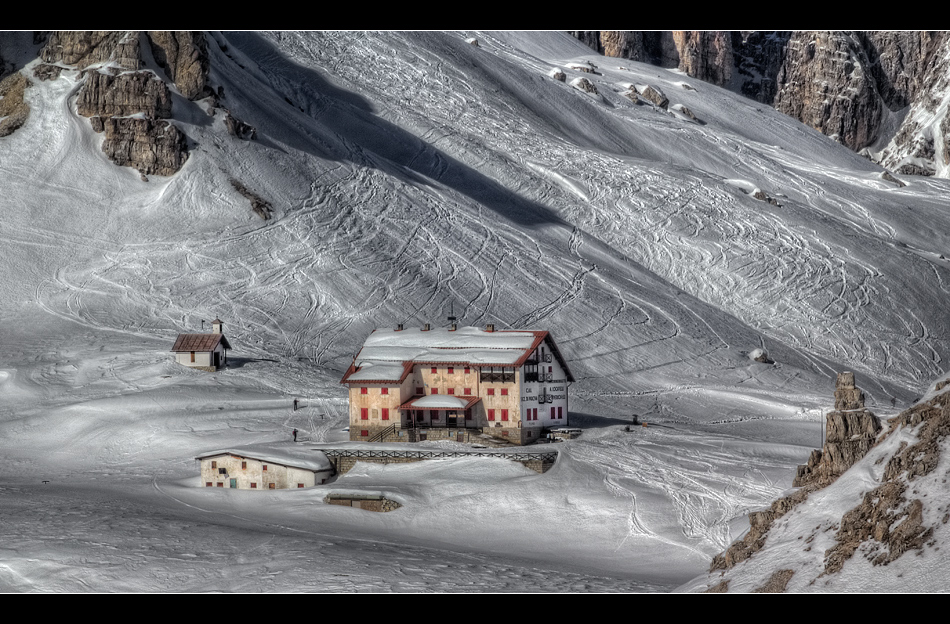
(388, 355)
(200, 342)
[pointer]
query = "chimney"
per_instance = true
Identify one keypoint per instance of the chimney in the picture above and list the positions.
(490, 327)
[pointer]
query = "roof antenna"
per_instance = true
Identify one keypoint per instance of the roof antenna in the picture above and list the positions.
(202, 326)
(452, 319)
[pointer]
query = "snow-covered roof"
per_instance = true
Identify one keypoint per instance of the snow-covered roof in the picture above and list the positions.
(388, 354)
(292, 457)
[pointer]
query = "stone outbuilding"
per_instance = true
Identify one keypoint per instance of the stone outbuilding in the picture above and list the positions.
(207, 352)
(263, 468)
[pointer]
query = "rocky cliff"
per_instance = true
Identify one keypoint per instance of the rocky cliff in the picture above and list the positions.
(890, 508)
(880, 92)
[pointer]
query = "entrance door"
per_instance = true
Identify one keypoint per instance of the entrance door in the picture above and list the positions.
(451, 419)
(234, 483)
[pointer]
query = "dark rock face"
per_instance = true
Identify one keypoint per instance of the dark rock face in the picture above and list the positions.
(127, 102)
(184, 57)
(13, 108)
(846, 84)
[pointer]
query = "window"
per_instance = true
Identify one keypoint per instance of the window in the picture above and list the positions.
(553, 412)
(468, 391)
(467, 371)
(468, 414)
(271, 486)
(221, 485)
(364, 433)
(384, 390)
(214, 465)
(265, 467)
(364, 390)
(451, 390)
(253, 486)
(192, 356)
(504, 414)
(243, 465)
(435, 391)
(300, 485)
(560, 413)
(491, 414)
(491, 392)
(385, 413)
(504, 392)
(420, 390)
(364, 413)
(207, 483)
(433, 370)
(434, 414)
(451, 370)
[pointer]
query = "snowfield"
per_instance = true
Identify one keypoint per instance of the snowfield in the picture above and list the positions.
(412, 174)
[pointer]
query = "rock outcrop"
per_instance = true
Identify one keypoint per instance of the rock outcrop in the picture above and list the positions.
(850, 85)
(13, 108)
(130, 104)
(850, 431)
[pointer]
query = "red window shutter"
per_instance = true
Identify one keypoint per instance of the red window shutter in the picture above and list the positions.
(491, 392)
(560, 413)
(364, 433)
(467, 371)
(504, 392)
(433, 370)
(504, 414)
(553, 413)
(207, 483)
(364, 413)
(384, 390)
(253, 486)
(491, 414)
(451, 390)
(451, 370)
(435, 391)
(300, 485)
(364, 390)
(385, 413)
(468, 391)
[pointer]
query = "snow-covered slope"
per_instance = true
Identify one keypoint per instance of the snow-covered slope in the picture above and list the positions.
(412, 174)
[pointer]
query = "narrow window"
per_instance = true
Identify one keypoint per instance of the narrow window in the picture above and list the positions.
(467, 371)
(433, 370)
(364, 413)
(364, 390)
(192, 356)
(491, 414)
(451, 370)
(385, 413)
(214, 465)
(553, 413)
(560, 413)
(243, 465)
(265, 467)
(504, 414)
